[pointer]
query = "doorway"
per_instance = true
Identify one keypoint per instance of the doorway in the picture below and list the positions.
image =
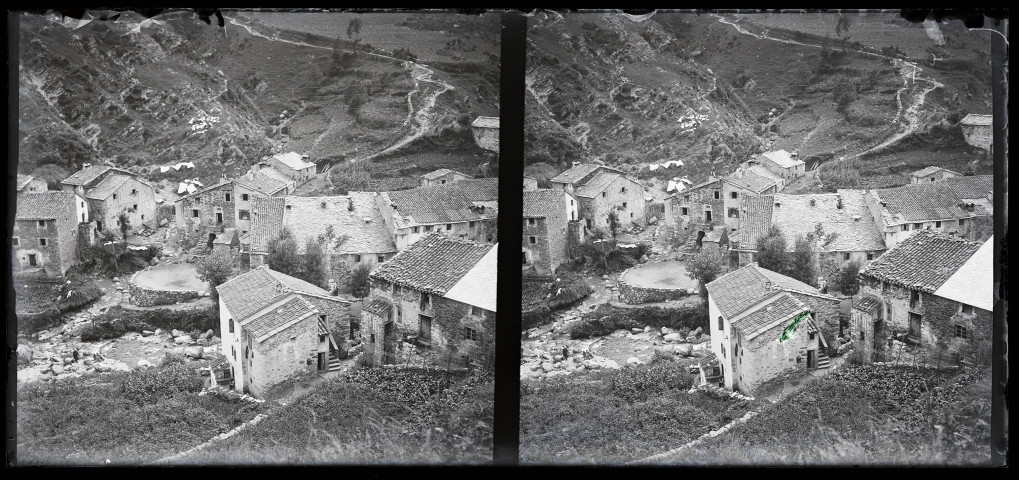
(212, 236)
(388, 344)
(811, 358)
(32, 261)
(219, 218)
(425, 328)
(700, 236)
(707, 216)
(323, 364)
(914, 325)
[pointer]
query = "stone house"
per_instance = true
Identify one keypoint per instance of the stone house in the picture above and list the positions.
(844, 214)
(530, 183)
(350, 228)
(717, 201)
(294, 166)
(926, 290)
(30, 184)
(252, 185)
(109, 192)
(486, 132)
(465, 209)
(765, 325)
(545, 230)
(717, 238)
(945, 206)
(275, 326)
(599, 190)
(931, 174)
(205, 214)
(442, 176)
(977, 130)
(783, 164)
(45, 237)
(439, 294)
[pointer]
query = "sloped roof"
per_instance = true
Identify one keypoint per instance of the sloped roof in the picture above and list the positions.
(252, 291)
(852, 225)
(48, 205)
(745, 287)
(293, 160)
(574, 174)
(764, 172)
(923, 172)
(973, 282)
(920, 202)
(539, 203)
(442, 172)
(86, 175)
(715, 234)
(24, 180)
(365, 230)
(970, 186)
(260, 182)
(478, 285)
(772, 314)
(266, 222)
(751, 180)
(782, 158)
(486, 122)
(271, 322)
(597, 184)
(377, 306)
(924, 261)
(975, 119)
(449, 203)
(106, 187)
(755, 219)
(275, 175)
(433, 264)
(867, 304)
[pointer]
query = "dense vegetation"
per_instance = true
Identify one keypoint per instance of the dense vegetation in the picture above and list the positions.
(41, 305)
(541, 297)
(608, 318)
(118, 320)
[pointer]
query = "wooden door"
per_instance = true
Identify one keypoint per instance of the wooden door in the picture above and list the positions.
(31, 260)
(811, 358)
(425, 330)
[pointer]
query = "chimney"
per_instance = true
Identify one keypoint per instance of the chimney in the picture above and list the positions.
(856, 218)
(324, 205)
(576, 164)
(767, 286)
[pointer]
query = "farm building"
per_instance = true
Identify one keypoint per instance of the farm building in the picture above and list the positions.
(948, 206)
(977, 130)
(30, 184)
(486, 132)
(442, 176)
(783, 164)
(110, 192)
(931, 174)
(600, 190)
(46, 233)
(464, 209)
(546, 229)
(293, 166)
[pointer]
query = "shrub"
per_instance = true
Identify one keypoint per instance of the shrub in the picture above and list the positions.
(149, 386)
(636, 385)
(33, 322)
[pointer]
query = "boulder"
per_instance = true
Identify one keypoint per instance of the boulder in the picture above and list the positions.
(147, 333)
(164, 222)
(143, 363)
(705, 337)
(67, 360)
(209, 334)
(653, 220)
(194, 352)
(154, 261)
(45, 377)
(183, 340)
(214, 340)
(57, 369)
(177, 351)
(697, 331)
(666, 330)
(176, 333)
(210, 351)
(547, 367)
(158, 331)
(25, 354)
(87, 361)
(643, 259)
(102, 367)
(673, 337)
(647, 329)
(684, 349)
(637, 330)
(633, 361)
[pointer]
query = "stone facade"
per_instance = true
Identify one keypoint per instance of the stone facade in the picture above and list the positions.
(623, 195)
(208, 212)
(546, 241)
(486, 133)
(764, 357)
(146, 297)
(635, 295)
(826, 314)
(704, 205)
(134, 198)
(54, 258)
(448, 177)
(935, 176)
(979, 135)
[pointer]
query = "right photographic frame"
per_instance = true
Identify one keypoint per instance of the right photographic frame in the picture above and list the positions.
(759, 239)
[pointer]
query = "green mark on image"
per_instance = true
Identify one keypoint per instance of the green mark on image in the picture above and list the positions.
(788, 332)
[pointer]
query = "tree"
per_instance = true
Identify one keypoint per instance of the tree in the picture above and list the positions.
(312, 269)
(354, 31)
(846, 279)
(845, 22)
(282, 256)
(706, 266)
(771, 250)
(801, 263)
(216, 269)
(358, 282)
(613, 219)
(125, 224)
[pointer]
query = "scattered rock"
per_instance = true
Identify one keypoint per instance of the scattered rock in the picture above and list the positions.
(102, 367)
(547, 367)
(637, 330)
(183, 340)
(666, 330)
(202, 341)
(194, 352)
(684, 349)
(673, 337)
(143, 363)
(633, 361)
(67, 361)
(45, 377)
(643, 259)
(164, 222)
(697, 331)
(209, 334)
(25, 354)
(57, 369)
(87, 362)
(647, 329)
(158, 331)
(178, 351)
(154, 261)
(176, 333)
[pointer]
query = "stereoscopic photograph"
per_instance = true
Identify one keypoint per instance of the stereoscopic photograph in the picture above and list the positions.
(255, 237)
(756, 239)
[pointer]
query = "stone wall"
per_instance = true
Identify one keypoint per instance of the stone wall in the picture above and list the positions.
(978, 135)
(283, 355)
(826, 316)
(765, 357)
(635, 295)
(147, 297)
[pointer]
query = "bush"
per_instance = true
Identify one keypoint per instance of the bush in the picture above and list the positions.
(638, 385)
(606, 319)
(33, 322)
(174, 376)
(118, 320)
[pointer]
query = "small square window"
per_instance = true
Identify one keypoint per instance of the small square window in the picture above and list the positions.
(143, 217)
(736, 195)
(42, 223)
(962, 222)
(244, 197)
(470, 224)
(967, 308)
(228, 197)
(718, 195)
(624, 204)
(937, 224)
(244, 215)
(357, 259)
(134, 207)
(194, 213)
(449, 226)
(961, 331)
(428, 228)
(472, 334)
(416, 229)
(870, 255)
(684, 211)
(42, 242)
(916, 226)
(845, 256)
(15, 241)
(530, 221)
(381, 258)
(134, 192)
(622, 190)
(905, 227)
(603, 194)
(114, 196)
(532, 240)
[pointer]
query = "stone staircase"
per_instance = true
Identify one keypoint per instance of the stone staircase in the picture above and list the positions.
(334, 360)
(822, 359)
(690, 246)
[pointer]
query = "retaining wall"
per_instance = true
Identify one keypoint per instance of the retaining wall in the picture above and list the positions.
(635, 295)
(147, 297)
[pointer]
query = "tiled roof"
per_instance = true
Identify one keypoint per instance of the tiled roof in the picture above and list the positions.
(975, 119)
(377, 306)
(574, 174)
(260, 182)
(750, 180)
(355, 215)
(743, 288)
(973, 283)
(293, 160)
(764, 172)
(782, 158)
(478, 285)
(248, 293)
(441, 172)
(715, 234)
(266, 222)
(275, 175)
(923, 172)
(538, 203)
(867, 304)
(432, 264)
(449, 203)
(486, 122)
(924, 261)
(755, 219)
(24, 180)
(106, 187)
(920, 202)
(598, 183)
(48, 205)
(852, 225)
(769, 315)
(271, 322)
(970, 186)
(86, 175)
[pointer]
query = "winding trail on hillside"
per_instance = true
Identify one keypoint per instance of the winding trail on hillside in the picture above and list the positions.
(420, 121)
(910, 73)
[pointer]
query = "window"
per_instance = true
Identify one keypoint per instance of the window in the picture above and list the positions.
(42, 223)
(631, 214)
(114, 196)
(733, 213)
(380, 258)
(905, 227)
(733, 194)
(143, 217)
(399, 313)
(198, 200)
(134, 192)
(194, 213)
(42, 242)
(475, 311)
(721, 346)
(247, 351)
(290, 207)
(571, 203)
(532, 240)
(321, 338)
(811, 336)
(231, 325)
(916, 226)
(416, 229)
(813, 203)
(624, 204)
(962, 222)
(622, 190)
(243, 215)
(15, 241)
(966, 308)
(845, 256)
(778, 204)
(961, 331)
(357, 259)
(353, 329)
(686, 198)
(373, 338)
(862, 336)
(721, 323)
(885, 287)
(684, 211)
(937, 224)
(472, 334)
(134, 207)
(396, 288)
(603, 194)
(914, 298)
(470, 224)
(870, 255)
(428, 228)
(233, 352)
(244, 197)
(449, 226)
(228, 197)
(718, 195)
